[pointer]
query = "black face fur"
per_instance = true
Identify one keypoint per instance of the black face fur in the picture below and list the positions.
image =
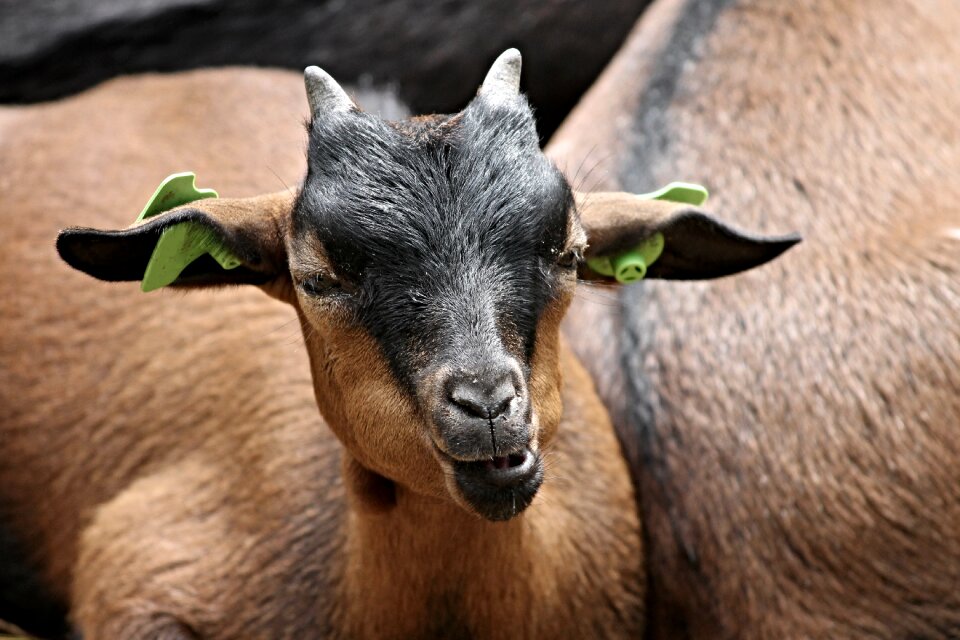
(446, 239)
(444, 233)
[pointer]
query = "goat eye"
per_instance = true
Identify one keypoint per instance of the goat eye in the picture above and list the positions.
(320, 284)
(570, 259)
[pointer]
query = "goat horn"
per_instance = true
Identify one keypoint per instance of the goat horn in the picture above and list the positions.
(323, 92)
(502, 83)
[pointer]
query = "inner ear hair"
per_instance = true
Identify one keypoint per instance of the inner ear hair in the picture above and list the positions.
(697, 245)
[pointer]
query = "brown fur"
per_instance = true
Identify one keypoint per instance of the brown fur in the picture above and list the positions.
(799, 466)
(173, 476)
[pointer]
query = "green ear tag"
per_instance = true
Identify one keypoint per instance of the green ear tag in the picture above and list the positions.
(182, 243)
(632, 265)
(685, 192)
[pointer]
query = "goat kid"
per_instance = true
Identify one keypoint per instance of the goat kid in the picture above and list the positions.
(477, 487)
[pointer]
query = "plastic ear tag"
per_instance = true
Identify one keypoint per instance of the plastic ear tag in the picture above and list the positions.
(632, 265)
(182, 243)
(685, 192)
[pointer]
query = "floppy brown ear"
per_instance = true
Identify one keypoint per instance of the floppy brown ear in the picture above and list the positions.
(697, 246)
(251, 229)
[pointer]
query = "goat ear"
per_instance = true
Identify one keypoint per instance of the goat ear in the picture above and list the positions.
(691, 245)
(246, 234)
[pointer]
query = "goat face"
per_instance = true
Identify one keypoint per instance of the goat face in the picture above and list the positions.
(447, 247)
(430, 263)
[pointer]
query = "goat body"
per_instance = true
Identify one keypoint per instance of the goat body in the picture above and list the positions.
(794, 431)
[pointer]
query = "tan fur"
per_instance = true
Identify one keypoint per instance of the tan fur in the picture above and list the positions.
(172, 472)
(63, 329)
(802, 473)
(453, 588)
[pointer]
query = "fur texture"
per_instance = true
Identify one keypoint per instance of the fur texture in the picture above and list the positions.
(794, 431)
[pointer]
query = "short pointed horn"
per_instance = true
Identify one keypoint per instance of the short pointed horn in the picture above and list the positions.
(323, 93)
(502, 83)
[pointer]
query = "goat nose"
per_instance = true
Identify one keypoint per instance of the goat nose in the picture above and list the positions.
(483, 396)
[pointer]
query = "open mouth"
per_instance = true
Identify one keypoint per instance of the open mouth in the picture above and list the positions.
(500, 487)
(499, 470)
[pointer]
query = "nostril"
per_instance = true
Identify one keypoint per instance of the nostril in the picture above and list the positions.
(502, 403)
(469, 402)
(483, 398)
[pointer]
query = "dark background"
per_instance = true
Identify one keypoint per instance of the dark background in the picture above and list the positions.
(432, 53)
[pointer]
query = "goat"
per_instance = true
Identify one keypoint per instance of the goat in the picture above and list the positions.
(794, 434)
(174, 478)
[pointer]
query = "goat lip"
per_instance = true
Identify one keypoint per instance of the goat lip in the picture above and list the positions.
(500, 489)
(453, 459)
(500, 470)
